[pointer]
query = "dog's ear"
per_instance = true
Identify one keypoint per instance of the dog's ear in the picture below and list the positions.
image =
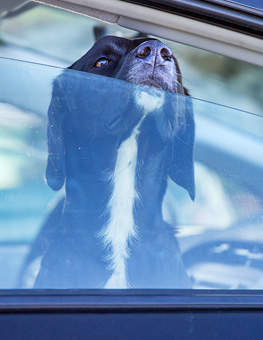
(55, 171)
(181, 168)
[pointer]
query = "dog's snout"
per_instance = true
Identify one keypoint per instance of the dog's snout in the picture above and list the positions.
(154, 51)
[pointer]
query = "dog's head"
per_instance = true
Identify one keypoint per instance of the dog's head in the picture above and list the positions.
(139, 61)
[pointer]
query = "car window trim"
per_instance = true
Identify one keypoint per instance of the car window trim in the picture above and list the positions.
(130, 300)
(238, 6)
(214, 13)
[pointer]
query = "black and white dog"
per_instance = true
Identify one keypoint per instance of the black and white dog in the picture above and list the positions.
(114, 155)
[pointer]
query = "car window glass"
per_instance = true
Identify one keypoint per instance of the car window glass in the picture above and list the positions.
(220, 233)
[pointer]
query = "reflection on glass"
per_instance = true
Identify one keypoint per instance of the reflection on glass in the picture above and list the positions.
(219, 233)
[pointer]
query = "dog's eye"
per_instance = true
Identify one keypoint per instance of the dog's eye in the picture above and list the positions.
(101, 62)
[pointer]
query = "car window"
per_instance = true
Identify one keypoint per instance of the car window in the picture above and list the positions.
(220, 232)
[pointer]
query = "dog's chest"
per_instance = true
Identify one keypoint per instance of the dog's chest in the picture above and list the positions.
(121, 227)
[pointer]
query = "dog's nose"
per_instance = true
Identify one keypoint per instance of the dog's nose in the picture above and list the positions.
(154, 52)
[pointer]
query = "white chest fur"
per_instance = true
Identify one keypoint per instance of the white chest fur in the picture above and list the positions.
(121, 227)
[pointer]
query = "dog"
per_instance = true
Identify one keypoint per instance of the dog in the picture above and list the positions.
(114, 154)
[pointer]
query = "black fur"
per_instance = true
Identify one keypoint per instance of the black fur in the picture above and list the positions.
(84, 134)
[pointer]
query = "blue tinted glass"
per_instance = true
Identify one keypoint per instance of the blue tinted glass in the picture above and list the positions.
(112, 147)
